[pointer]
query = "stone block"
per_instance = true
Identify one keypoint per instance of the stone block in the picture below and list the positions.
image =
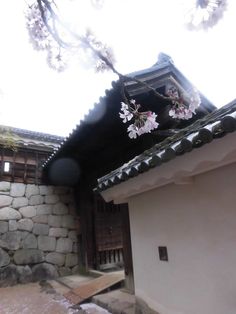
(28, 256)
(75, 248)
(54, 221)
(5, 200)
(41, 219)
(8, 276)
(68, 221)
(17, 189)
(5, 186)
(44, 271)
(76, 269)
(25, 224)
(71, 260)
(20, 202)
(3, 226)
(55, 258)
(4, 258)
(36, 200)
(51, 199)
(8, 213)
(28, 211)
(65, 271)
(13, 225)
(72, 235)
(23, 234)
(44, 209)
(64, 245)
(31, 189)
(59, 209)
(30, 242)
(46, 190)
(12, 238)
(58, 232)
(40, 229)
(24, 274)
(46, 243)
(3, 244)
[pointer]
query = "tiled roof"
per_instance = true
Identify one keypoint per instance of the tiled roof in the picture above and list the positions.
(33, 135)
(164, 66)
(216, 124)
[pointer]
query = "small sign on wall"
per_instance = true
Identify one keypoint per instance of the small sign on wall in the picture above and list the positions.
(163, 254)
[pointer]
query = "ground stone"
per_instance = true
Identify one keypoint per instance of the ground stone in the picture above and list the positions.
(40, 229)
(20, 202)
(44, 209)
(44, 271)
(51, 199)
(55, 258)
(24, 274)
(45, 190)
(25, 224)
(54, 221)
(5, 200)
(71, 260)
(36, 200)
(41, 219)
(4, 258)
(12, 239)
(68, 222)
(17, 189)
(13, 225)
(8, 213)
(64, 245)
(28, 256)
(3, 226)
(31, 189)
(58, 232)
(30, 242)
(60, 209)
(28, 211)
(46, 243)
(64, 271)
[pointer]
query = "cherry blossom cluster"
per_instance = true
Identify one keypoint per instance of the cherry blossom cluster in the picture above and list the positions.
(203, 14)
(41, 38)
(144, 122)
(185, 105)
(100, 53)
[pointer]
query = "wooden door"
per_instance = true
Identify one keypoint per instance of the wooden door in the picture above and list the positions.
(108, 235)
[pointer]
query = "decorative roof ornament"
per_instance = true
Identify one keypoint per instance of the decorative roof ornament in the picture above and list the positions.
(204, 14)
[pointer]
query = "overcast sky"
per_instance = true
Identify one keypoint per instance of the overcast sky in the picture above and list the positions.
(32, 96)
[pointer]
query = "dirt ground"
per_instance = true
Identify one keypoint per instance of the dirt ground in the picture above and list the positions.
(41, 298)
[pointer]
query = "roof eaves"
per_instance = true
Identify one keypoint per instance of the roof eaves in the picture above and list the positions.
(215, 125)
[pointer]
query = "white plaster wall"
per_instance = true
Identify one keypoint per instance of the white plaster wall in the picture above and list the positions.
(197, 223)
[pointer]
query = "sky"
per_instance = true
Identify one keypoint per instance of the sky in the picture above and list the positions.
(34, 97)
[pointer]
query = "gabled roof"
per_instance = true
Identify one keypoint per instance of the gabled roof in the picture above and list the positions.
(156, 76)
(217, 124)
(31, 139)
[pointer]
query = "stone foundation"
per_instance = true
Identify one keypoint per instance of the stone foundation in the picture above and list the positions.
(38, 233)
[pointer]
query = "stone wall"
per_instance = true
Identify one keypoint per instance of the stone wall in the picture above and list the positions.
(38, 232)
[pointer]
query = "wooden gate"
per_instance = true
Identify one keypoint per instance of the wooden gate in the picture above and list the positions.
(108, 235)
